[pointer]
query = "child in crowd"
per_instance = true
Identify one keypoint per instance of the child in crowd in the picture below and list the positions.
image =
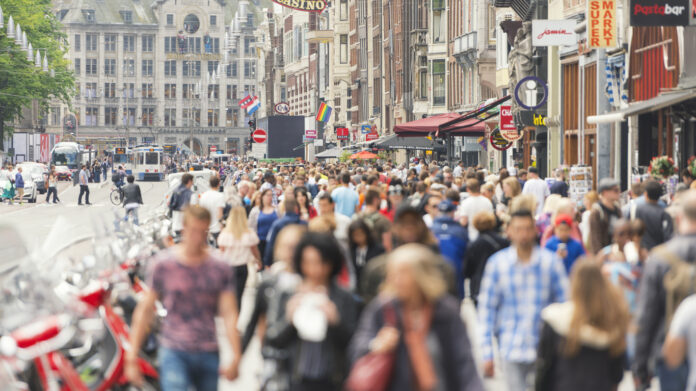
(561, 243)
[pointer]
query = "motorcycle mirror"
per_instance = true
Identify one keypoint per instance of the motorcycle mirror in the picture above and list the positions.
(8, 346)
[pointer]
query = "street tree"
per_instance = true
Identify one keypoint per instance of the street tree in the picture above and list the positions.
(21, 82)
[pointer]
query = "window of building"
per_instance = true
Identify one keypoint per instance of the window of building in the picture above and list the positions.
(439, 21)
(170, 45)
(191, 91)
(343, 10)
(439, 85)
(147, 90)
(344, 48)
(147, 68)
(248, 42)
(91, 42)
(169, 117)
(77, 43)
(213, 117)
(250, 20)
(213, 20)
(191, 117)
(247, 69)
(129, 43)
(110, 42)
(213, 91)
(91, 115)
(170, 19)
(129, 116)
(129, 67)
(229, 118)
(191, 45)
(191, 23)
(234, 69)
(234, 92)
(128, 90)
(109, 90)
(148, 117)
(170, 68)
(191, 68)
(110, 116)
(148, 43)
(55, 116)
(229, 92)
(78, 67)
(91, 66)
(110, 66)
(89, 16)
(213, 66)
(127, 16)
(170, 91)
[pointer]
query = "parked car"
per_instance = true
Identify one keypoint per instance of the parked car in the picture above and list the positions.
(63, 173)
(38, 172)
(30, 191)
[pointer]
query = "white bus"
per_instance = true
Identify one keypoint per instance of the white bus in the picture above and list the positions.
(148, 163)
(71, 155)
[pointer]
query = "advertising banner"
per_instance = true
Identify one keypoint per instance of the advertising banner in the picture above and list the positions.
(553, 33)
(601, 23)
(659, 13)
(44, 147)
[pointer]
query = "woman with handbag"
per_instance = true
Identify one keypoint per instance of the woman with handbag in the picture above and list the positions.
(583, 341)
(411, 337)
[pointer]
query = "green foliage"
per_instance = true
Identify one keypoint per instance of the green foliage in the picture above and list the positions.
(20, 81)
(345, 156)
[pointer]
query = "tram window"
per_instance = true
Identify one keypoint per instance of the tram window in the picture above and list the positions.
(152, 158)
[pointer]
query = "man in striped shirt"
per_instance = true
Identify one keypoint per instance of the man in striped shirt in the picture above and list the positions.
(517, 284)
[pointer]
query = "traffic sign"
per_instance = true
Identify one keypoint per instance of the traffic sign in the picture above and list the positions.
(259, 136)
(213, 148)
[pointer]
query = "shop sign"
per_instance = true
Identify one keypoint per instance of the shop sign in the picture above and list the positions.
(659, 13)
(498, 142)
(527, 92)
(365, 129)
(282, 108)
(508, 129)
(371, 136)
(601, 23)
(553, 32)
(303, 5)
(310, 133)
(342, 133)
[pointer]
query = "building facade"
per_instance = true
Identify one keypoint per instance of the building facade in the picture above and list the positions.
(168, 72)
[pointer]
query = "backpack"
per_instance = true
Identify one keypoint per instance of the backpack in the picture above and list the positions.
(174, 201)
(116, 177)
(679, 281)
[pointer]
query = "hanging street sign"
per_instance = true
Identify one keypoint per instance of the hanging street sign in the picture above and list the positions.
(601, 23)
(527, 91)
(498, 142)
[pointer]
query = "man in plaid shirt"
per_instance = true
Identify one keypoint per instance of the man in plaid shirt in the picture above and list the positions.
(517, 284)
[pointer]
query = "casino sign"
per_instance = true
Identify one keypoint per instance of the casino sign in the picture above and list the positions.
(303, 5)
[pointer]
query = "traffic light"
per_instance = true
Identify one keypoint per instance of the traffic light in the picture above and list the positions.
(252, 124)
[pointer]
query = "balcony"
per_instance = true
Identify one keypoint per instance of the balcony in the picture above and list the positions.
(320, 36)
(465, 49)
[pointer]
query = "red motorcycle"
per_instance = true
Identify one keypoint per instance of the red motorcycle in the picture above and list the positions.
(95, 365)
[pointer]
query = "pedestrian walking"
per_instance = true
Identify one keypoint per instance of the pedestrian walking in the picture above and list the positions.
(52, 187)
(239, 244)
(307, 211)
(566, 247)
(472, 205)
(96, 171)
(19, 185)
(517, 284)
(318, 319)
(363, 246)
(105, 168)
(537, 187)
(347, 200)
(416, 321)
(84, 185)
(9, 190)
(604, 215)
(679, 346)
(269, 182)
(560, 186)
(582, 341)
(179, 200)
(214, 200)
(659, 226)
(189, 352)
(291, 216)
(262, 216)
(132, 199)
(666, 280)
(452, 239)
(378, 223)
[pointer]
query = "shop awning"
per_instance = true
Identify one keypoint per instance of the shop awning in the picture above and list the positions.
(410, 143)
(332, 153)
(642, 107)
(431, 126)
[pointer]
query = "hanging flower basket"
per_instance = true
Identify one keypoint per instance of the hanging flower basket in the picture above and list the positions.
(662, 167)
(691, 166)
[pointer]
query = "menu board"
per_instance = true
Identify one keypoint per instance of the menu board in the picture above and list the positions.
(580, 182)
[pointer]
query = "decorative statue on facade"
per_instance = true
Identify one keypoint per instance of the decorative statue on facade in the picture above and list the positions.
(181, 40)
(207, 42)
(520, 62)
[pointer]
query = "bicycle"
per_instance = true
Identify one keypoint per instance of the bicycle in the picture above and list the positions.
(117, 196)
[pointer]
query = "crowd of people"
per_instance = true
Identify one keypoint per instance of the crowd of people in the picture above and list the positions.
(450, 274)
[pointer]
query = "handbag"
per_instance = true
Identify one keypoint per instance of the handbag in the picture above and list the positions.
(372, 372)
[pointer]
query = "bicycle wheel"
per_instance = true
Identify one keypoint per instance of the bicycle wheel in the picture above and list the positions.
(116, 196)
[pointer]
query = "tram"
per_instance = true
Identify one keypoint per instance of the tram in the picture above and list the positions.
(148, 163)
(122, 157)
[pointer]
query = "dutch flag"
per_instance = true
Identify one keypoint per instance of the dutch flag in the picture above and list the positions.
(255, 105)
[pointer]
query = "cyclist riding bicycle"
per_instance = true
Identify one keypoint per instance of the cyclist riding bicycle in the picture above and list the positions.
(118, 177)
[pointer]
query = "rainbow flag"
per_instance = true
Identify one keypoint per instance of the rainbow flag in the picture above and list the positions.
(483, 143)
(324, 112)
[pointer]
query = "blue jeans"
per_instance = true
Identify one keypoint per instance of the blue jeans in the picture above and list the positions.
(672, 379)
(181, 371)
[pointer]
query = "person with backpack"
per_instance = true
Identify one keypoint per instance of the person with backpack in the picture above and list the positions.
(604, 215)
(658, 223)
(380, 225)
(667, 279)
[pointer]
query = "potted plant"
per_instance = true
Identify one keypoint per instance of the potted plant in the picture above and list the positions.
(662, 167)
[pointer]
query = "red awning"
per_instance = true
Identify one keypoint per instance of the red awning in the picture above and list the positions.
(431, 126)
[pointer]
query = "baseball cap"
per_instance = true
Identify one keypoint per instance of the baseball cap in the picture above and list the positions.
(446, 206)
(607, 184)
(563, 219)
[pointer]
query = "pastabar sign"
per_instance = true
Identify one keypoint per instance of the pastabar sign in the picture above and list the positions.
(601, 23)
(304, 5)
(554, 33)
(659, 13)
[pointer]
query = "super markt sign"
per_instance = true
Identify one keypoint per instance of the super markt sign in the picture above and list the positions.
(303, 5)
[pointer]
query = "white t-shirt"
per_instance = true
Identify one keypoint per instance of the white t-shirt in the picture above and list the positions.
(238, 251)
(539, 189)
(472, 206)
(213, 200)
